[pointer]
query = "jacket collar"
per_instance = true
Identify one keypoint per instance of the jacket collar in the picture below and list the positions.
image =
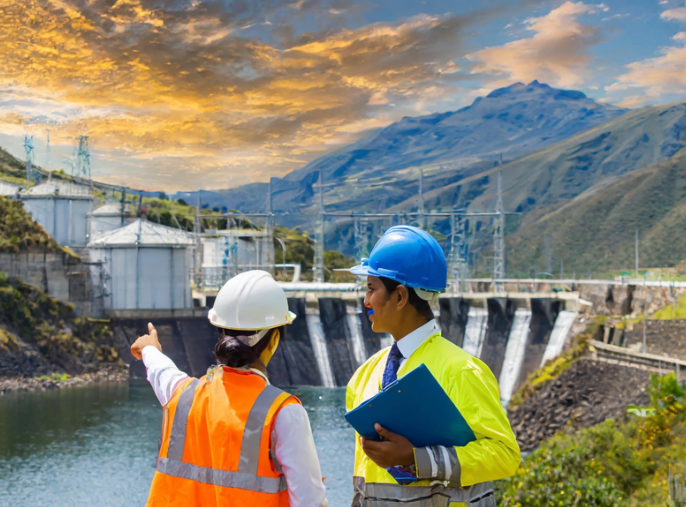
(411, 342)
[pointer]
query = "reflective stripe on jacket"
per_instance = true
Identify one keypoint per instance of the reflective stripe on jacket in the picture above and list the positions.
(216, 443)
(456, 476)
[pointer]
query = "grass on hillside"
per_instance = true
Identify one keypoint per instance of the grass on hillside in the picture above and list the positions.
(11, 169)
(300, 250)
(596, 231)
(610, 464)
(673, 311)
(19, 232)
(552, 369)
(69, 341)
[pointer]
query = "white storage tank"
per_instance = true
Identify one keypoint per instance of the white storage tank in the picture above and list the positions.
(7, 188)
(61, 209)
(226, 253)
(107, 218)
(144, 266)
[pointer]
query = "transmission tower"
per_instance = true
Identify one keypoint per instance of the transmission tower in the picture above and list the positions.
(47, 150)
(420, 204)
(549, 255)
(361, 232)
(28, 148)
(269, 254)
(318, 275)
(458, 259)
(197, 229)
(83, 160)
(499, 240)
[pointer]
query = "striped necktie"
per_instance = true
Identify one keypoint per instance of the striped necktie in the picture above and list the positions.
(390, 374)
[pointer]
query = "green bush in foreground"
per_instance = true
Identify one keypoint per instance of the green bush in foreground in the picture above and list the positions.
(18, 231)
(608, 464)
(70, 341)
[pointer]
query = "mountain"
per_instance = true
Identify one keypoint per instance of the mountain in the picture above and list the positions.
(509, 121)
(554, 175)
(380, 170)
(596, 230)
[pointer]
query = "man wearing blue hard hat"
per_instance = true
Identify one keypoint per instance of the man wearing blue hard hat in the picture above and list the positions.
(405, 272)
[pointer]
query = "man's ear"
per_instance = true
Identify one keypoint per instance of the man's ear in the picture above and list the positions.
(403, 296)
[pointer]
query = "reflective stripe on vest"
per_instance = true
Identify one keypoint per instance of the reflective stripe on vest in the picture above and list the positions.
(221, 477)
(394, 495)
(374, 487)
(246, 477)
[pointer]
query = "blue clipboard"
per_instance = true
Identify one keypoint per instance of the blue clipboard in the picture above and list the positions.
(416, 407)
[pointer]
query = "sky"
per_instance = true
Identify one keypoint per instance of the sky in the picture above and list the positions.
(189, 94)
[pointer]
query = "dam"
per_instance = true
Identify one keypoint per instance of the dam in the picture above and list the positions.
(331, 336)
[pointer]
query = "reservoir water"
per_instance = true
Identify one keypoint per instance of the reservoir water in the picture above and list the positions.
(97, 445)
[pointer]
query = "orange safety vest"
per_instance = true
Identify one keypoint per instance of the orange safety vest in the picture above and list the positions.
(216, 443)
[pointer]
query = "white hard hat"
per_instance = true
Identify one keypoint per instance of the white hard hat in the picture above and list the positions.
(251, 301)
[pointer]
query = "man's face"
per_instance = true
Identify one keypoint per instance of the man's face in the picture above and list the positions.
(381, 301)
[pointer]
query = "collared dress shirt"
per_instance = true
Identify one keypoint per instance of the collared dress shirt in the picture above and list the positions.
(411, 342)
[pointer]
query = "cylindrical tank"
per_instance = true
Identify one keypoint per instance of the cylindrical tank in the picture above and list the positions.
(144, 266)
(7, 188)
(61, 209)
(107, 218)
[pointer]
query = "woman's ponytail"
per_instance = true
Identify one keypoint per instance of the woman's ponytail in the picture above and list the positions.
(234, 353)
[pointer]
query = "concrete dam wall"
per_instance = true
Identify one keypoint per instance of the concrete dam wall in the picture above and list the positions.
(332, 337)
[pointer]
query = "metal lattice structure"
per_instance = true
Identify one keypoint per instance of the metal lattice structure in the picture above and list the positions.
(269, 228)
(420, 204)
(28, 148)
(318, 275)
(458, 259)
(197, 254)
(499, 240)
(83, 160)
(48, 162)
(361, 232)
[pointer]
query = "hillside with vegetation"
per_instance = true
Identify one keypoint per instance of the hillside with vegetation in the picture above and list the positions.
(300, 250)
(19, 232)
(549, 178)
(12, 169)
(579, 201)
(381, 170)
(596, 230)
(622, 462)
(40, 335)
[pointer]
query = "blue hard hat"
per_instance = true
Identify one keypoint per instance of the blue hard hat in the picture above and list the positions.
(407, 255)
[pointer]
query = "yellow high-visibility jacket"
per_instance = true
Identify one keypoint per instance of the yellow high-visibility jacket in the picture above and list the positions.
(458, 476)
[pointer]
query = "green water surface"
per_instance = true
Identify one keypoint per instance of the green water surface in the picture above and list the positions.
(97, 445)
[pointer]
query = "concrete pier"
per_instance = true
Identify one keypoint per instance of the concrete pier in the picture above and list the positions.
(343, 336)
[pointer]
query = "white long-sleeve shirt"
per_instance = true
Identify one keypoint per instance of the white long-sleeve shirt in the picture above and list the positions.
(292, 436)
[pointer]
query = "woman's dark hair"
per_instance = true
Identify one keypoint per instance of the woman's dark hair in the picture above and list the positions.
(236, 354)
(422, 306)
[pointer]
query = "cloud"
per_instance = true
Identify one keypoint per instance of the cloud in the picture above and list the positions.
(557, 53)
(660, 76)
(678, 14)
(664, 74)
(204, 92)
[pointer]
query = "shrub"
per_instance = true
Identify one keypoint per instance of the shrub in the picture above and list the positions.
(53, 327)
(552, 369)
(608, 464)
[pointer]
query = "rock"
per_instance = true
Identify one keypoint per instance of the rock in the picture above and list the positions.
(588, 393)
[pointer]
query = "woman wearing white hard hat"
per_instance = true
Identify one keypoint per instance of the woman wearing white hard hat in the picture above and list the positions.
(230, 438)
